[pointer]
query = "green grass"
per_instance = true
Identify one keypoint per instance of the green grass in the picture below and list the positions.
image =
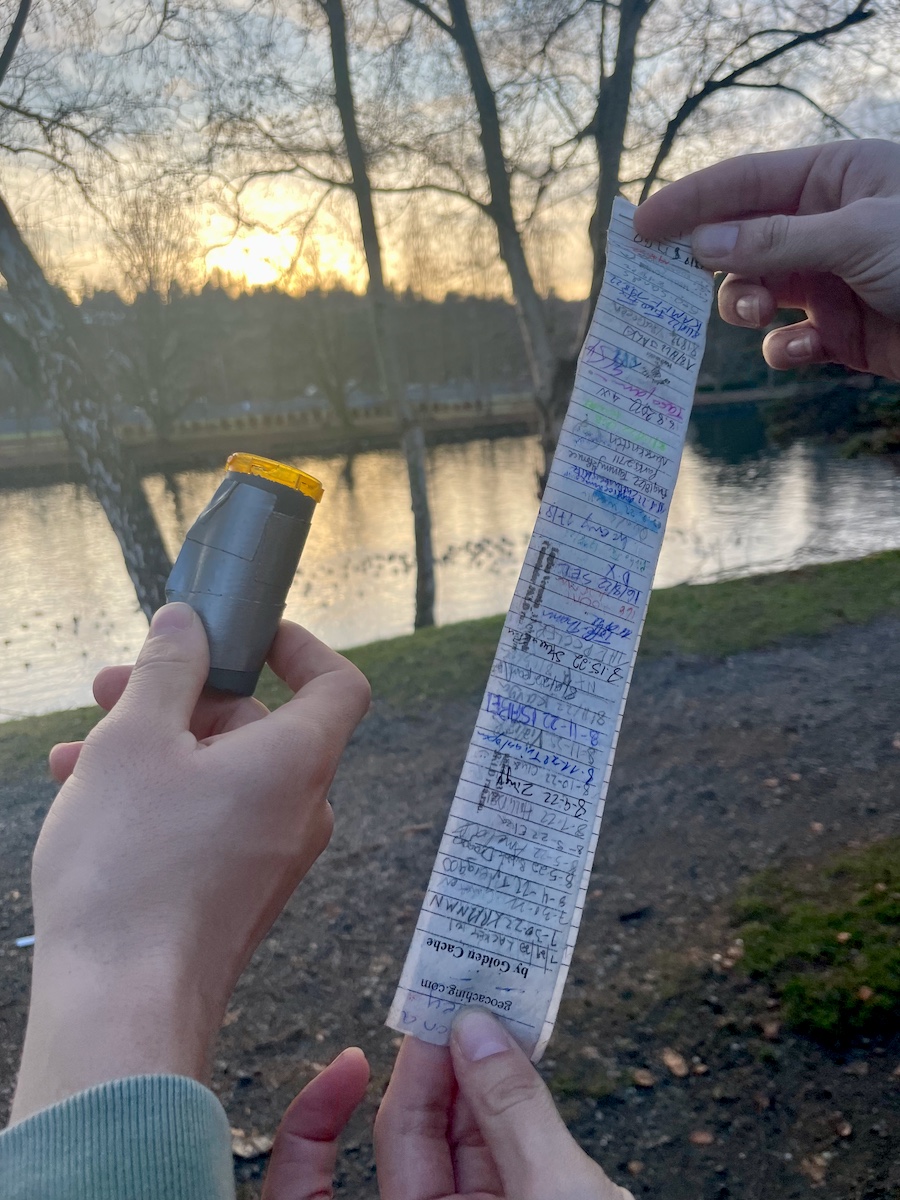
(26, 742)
(435, 665)
(827, 941)
(744, 614)
(713, 619)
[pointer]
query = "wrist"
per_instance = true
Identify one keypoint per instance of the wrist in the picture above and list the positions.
(94, 1021)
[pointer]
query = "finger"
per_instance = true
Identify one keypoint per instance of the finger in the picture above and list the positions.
(298, 657)
(412, 1128)
(331, 695)
(737, 187)
(62, 759)
(795, 345)
(305, 1149)
(110, 684)
(783, 290)
(473, 1163)
(170, 671)
(745, 302)
(216, 714)
(534, 1152)
(820, 242)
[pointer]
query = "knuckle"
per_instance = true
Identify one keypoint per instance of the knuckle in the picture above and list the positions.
(426, 1120)
(866, 221)
(325, 828)
(320, 773)
(773, 234)
(511, 1094)
(161, 653)
(108, 728)
(358, 687)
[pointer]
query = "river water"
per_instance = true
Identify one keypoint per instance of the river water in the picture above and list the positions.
(67, 608)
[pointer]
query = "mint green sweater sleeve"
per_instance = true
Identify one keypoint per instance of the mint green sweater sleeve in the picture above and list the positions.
(152, 1137)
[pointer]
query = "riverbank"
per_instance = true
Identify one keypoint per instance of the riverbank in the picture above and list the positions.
(451, 662)
(729, 762)
(302, 432)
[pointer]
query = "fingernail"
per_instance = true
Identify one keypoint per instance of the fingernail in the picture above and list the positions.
(714, 241)
(747, 308)
(480, 1035)
(171, 617)
(799, 348)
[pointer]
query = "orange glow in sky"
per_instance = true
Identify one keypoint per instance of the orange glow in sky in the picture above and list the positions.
(260, 259)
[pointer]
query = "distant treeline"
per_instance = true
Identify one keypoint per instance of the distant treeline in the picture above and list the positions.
(211, 352)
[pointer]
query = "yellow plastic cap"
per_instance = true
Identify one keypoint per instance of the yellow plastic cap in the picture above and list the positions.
(267, 468)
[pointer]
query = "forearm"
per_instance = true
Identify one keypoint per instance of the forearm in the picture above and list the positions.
(92, 1022)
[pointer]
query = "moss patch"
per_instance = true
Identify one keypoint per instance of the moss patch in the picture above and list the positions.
(826, 938)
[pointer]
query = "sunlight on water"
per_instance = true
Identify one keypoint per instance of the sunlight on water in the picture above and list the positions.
(67, 608)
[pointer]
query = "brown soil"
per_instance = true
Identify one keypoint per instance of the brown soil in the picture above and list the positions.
(690, 814)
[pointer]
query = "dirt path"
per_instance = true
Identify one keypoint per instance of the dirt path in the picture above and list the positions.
(690, 813)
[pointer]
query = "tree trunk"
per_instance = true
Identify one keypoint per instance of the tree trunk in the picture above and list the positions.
(413, 440)
(57, 335)
(543, 361)
(608, 129)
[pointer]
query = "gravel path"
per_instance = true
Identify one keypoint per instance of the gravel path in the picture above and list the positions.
(723, 768)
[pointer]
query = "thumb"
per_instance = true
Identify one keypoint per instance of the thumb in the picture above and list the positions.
(305, 1149)
(776, 244)
(537, 1157)
(170, 671)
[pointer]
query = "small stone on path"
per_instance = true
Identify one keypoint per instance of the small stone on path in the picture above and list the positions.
(676, 1063)
(251, 1147)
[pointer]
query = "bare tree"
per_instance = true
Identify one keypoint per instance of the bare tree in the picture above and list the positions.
(412, 437)
(326, 329)
(153, 235)
(757, 42)
(59, 341)
(153, 243)
(65, 360)
(275, 120)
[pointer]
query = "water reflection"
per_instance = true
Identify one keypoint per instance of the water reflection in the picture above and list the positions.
(67, 608)
(733, 436)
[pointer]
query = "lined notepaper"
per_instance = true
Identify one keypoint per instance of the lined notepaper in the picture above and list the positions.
(500, 917)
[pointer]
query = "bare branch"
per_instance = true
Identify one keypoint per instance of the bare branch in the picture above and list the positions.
(429, 12)
(829, 118)
(557, 29)
(689, 106)
(15, 35)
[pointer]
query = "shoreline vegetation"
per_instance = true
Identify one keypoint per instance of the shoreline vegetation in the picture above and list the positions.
(317, 430)
(451, 662)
